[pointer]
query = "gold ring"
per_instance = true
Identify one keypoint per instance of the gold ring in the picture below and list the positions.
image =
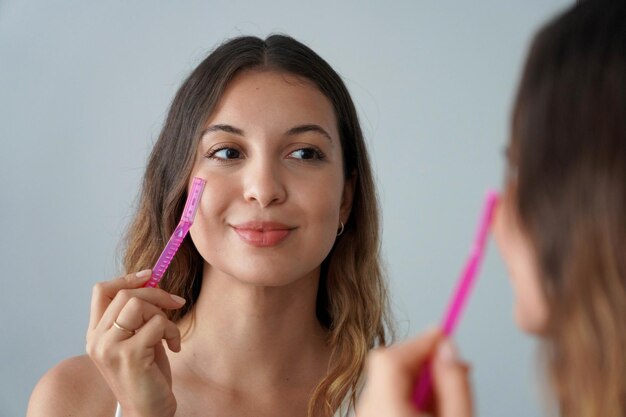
(122, 328)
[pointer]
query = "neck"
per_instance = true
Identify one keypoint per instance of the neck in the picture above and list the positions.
(244, 336)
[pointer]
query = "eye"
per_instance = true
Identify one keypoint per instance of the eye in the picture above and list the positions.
(307, 154)
(225, 154)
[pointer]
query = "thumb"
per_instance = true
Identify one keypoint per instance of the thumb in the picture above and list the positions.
(452, 386)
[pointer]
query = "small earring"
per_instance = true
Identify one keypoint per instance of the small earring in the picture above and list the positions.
(341, 229)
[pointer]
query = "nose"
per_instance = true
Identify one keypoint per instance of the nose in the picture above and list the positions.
(263, 184)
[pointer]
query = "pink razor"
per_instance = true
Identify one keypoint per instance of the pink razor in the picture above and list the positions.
(189, 212)
(423, 388)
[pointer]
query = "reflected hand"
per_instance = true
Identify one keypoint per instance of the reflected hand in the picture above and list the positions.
(392, 372)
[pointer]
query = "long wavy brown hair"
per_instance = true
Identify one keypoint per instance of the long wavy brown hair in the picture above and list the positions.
(568, 149)
(352, 296)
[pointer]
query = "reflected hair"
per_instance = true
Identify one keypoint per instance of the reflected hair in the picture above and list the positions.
(352, 299)
(568, 149)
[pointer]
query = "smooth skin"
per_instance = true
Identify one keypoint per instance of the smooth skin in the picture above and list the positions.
(270, 153)
(530, 306)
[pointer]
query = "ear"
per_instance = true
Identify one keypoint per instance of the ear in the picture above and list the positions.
(346, 198)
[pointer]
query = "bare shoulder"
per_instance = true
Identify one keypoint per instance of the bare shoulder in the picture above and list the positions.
(72, 388)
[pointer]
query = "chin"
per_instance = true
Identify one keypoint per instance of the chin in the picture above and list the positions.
(530, 321)
(264, 274)
(261, 280)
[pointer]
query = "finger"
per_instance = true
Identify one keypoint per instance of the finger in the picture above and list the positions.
(133, 315)
(104, 292)
(393, 370)
(157, 329)
(386, 378)
(412, 354)
(154, 296)
(452, 387)
(388, 388)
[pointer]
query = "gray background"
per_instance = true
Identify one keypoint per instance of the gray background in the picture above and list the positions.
(84, 88)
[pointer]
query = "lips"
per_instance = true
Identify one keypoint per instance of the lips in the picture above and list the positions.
(263, 234)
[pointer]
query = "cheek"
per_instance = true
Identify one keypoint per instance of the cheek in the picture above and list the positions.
(210, 217)
(320, 201)
(530, 309)
(530, 306)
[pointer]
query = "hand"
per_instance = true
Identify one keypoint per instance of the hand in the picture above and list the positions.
(126, 329)
(392, 372)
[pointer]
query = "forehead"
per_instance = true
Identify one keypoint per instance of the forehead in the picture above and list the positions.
(255, 96)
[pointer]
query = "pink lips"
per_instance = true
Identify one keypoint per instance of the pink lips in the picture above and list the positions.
(262, 234)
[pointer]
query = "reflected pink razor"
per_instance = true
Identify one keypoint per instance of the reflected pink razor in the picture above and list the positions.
(423, 388)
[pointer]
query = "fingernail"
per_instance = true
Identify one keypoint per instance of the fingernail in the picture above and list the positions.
(179, 300)
(447, 352)
(143, 274)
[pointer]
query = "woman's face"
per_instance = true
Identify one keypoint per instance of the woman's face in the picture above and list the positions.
(275, 191)
(531, 311)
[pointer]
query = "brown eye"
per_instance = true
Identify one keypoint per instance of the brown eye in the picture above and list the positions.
(225, 154)
(307, 154)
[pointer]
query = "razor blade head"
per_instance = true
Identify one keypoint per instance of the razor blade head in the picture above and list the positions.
(193, 200)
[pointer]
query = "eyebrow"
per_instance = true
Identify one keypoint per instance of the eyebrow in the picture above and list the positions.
(309, 128)
(297, 130)
(223, 128)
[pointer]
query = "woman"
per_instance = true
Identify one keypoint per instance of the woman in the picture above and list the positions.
(561, 226)
(272, 304)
